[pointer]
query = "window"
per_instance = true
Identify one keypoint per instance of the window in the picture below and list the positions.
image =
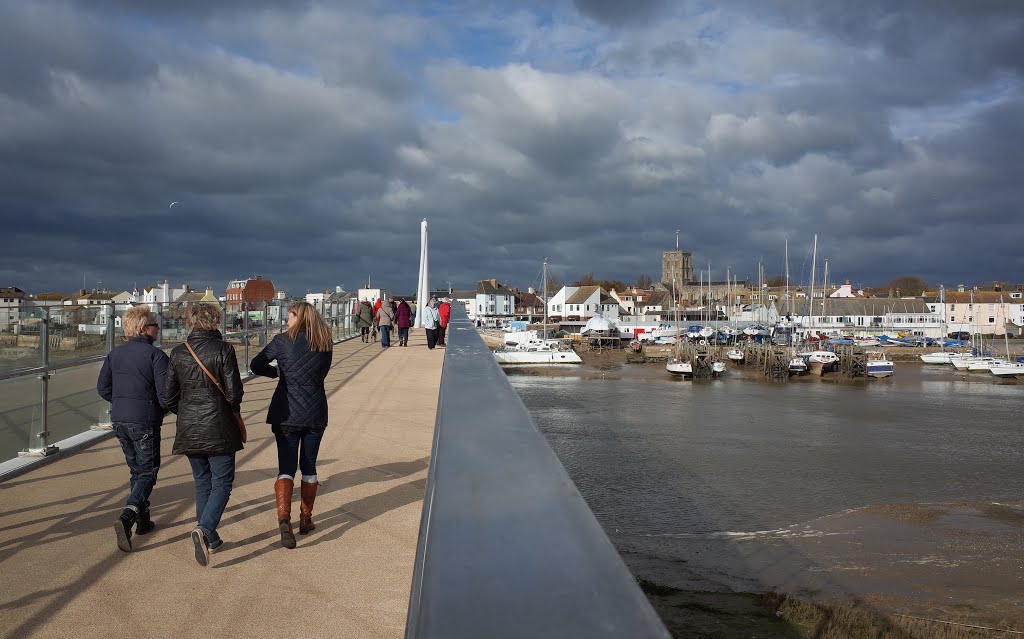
(991, 320)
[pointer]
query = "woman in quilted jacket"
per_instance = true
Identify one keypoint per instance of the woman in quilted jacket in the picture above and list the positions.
(298, 410)
(206, 431)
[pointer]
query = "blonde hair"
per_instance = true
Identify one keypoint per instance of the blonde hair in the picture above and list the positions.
(135, 319)
(205, 317)
(307, 320)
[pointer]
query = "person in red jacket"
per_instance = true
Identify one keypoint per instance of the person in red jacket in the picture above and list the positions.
(445, 311)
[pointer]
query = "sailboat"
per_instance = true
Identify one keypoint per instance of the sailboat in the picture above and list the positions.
(529, 349)
(676, 365)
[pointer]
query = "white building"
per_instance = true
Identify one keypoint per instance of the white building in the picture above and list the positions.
(11, 299)
(164, 293)
(580, 303)
(493, 304)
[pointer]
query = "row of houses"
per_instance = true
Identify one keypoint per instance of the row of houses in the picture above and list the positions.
(838, 310)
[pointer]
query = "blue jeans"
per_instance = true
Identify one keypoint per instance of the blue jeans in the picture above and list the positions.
(385, 336)
(403, 335)
(214, 475)
(297, 449)
(141, 446)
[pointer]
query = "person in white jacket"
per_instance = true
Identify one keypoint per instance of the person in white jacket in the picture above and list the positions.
(431, 320)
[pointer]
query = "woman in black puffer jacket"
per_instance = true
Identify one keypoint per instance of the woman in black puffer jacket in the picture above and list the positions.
(298, 410)
(206, 430)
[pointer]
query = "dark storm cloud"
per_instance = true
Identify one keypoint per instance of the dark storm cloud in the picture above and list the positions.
(305, 142)
(614, 12)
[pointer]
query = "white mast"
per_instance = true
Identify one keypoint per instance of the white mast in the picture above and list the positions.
(789, 301)
(544, 327)
(824, 291)
(814, 265)
(422, 291)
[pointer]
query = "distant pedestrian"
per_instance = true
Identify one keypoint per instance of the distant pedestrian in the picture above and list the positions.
(385, 321)
(132, 379)
(298, 410)
(444, 311)
(364, 320)
(204, 390)
(431, 321)
(403, 320)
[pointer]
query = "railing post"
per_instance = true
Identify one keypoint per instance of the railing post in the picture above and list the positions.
(112, 310)
(41, 449)
(159, 319)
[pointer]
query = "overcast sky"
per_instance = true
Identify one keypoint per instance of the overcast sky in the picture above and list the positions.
(306, 140)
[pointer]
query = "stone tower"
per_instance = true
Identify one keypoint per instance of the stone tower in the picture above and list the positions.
(677, 264)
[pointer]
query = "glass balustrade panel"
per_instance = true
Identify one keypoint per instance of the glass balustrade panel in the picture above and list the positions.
(74, 405)
(20, 415)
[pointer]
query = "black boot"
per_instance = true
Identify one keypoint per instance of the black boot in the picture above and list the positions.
(123, 529)
(145, 524)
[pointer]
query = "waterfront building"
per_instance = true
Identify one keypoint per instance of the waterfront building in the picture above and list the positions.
(580, 303)
(250, 292)
(11, 299)
(976, 311)
(867, 316)
(163, 293)
(493, 304)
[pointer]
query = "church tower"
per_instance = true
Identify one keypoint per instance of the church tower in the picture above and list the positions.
(678, 264)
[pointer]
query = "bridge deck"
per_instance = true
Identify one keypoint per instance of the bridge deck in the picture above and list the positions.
(62, 575)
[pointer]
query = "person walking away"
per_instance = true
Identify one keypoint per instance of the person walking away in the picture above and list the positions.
(444, 311)
(403, 320)
(132, 379)
(431, 321)
(364, 320)
(204, 390)
(385, 320)
(298, 410)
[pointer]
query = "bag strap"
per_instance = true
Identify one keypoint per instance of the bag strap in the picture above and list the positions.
(208, 374)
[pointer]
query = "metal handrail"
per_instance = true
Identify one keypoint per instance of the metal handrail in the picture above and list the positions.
(339, 319)
(507, 546)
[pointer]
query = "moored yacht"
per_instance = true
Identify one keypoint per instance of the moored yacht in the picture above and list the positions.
(820, 362)
(879, 364)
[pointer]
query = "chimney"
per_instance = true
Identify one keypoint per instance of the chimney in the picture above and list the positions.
(997, 287)
(960, 288)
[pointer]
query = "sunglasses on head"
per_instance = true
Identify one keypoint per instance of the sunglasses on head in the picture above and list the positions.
(152, 324)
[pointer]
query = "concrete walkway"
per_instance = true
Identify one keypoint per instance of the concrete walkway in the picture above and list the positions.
(61, 574)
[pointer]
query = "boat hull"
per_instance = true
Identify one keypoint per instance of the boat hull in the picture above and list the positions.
(536, 358)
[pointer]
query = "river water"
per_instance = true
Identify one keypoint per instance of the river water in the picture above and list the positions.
(661, 458)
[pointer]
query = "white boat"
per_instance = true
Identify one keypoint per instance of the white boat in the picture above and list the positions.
(536, 355)
(818, 362)
(865, 342)
(943, 357)
(757, 330)
(797, 366)
(735, 355)
(717, 367)
(706, 332)
(679, 367)
(1010, 369)
(530, 348)
(694, 332)
(962, 363)
(985, 364)
(879, 364)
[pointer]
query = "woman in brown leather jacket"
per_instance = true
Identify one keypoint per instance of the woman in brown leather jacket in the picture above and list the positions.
(206, 430)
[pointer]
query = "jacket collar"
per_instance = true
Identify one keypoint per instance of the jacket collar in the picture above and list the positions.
(146, 339)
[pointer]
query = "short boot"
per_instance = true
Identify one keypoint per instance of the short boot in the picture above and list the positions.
(123, 529)
(283, 489)
(307, 491)
(145, 524)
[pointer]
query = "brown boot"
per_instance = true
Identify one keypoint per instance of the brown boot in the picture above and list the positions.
(283, 489)
(307, 491)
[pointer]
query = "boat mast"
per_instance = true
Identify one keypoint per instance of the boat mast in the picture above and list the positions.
(824, 292)
(1006, 337)
(814, 265)
(544, 326)
(789, 302)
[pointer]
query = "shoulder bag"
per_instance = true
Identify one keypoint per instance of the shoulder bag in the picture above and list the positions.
(238, 417)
